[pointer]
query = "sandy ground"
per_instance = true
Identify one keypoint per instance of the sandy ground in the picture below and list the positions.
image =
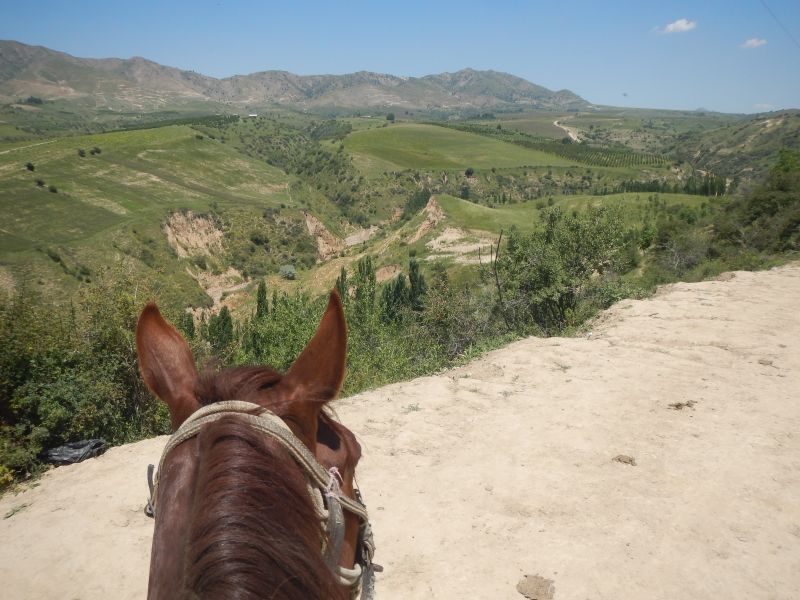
(504, 468)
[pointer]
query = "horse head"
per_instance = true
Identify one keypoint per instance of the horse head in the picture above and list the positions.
(254, 468)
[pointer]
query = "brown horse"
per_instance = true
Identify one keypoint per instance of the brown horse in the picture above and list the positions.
(244, 491)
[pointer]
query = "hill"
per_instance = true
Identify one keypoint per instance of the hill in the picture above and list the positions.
(415, 146)
(289, 190)
(517, 448)
(140, 84)
(744, 149)
(74, 215)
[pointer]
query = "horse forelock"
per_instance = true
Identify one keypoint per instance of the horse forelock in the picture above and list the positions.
(253, 528)
(238, 383)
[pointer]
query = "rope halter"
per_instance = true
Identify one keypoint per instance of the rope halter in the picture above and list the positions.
(323, 488)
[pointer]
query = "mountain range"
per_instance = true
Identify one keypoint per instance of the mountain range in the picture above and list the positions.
(141, 84)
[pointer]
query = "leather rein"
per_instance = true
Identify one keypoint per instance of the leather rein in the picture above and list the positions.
(323, 489)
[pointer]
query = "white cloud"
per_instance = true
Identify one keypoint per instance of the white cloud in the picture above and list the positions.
(679, 26)
(764, 106)
(753, 43)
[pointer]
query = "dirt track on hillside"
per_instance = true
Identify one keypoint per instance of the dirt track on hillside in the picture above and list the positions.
(505, 467)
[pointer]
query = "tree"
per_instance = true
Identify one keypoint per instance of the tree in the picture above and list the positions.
(544, 274)
(469, 172)
(417, 286)
(262, 308)
(390, 117)
(342, 286)
(416, 202)
(187, 324)
(30, 167)
(365, 284)
(220, 330)
(394, 298)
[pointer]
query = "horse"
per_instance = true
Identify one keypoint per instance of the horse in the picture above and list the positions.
(255, 494)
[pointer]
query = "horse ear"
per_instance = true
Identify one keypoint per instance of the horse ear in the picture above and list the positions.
(317, 374)
(167, 364)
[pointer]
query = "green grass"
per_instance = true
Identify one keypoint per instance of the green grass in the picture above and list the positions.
(138, 175)
(115, 202)
(416, 146)
(525, 216)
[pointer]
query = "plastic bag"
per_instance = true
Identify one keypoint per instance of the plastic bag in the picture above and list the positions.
(75, 452)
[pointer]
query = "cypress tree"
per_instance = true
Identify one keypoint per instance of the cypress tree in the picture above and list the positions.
(262, 308)
(187, 324)
(341, 285)
(418, 287)
(220, 330)
(394, 297)
(365, 284)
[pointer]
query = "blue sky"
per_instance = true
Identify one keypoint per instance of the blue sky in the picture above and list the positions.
(645, 53)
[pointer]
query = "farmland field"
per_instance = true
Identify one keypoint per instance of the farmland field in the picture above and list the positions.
(418, 146)
(525, 216)
(74, 211)
(534, 124)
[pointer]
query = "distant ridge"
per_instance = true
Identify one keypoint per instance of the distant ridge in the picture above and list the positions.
(141, 84)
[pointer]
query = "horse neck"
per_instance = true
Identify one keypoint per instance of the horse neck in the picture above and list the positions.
(236, 515)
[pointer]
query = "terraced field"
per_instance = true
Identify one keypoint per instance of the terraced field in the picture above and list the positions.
(89, 210)
(534, 124)
(419, 146)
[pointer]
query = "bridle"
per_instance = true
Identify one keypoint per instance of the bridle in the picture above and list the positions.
(323, 489)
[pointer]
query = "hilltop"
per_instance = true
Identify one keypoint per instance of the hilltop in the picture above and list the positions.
(508, 462)
(141, 84)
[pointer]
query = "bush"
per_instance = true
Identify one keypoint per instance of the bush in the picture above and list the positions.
(30, 167)
(81, 152)
(70, 372)
(53, 189)
(546, 273)
(288, 272)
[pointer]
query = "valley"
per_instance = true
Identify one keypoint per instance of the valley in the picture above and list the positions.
(463, 211)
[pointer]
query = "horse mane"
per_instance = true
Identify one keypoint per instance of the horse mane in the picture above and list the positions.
(254, 532)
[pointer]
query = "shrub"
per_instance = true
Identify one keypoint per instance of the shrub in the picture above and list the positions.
(81, 152)
(30, 167)
(545, 274)
(53, 189)
(70, 372)
(288, 272)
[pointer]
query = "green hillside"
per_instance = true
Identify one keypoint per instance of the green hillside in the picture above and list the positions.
(418, 146)
(744, 149)
(78, 213)
(526, 216)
